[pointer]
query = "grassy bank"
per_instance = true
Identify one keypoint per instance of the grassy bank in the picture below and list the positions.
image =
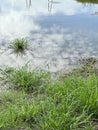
(34, 101)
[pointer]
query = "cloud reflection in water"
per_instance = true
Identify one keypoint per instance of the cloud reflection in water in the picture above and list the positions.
(57, 39)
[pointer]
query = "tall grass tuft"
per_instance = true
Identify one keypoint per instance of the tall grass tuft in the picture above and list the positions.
(24, 79)
(19, 46)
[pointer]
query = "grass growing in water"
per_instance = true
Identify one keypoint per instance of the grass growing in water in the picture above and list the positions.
(19, 46)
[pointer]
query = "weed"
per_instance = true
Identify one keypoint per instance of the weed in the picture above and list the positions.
(24, 79)
(19, 46)
(16, 112)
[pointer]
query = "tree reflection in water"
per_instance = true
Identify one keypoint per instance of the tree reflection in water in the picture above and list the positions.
(50, 4)
(28, 3)
(88, 1)
(91, 2)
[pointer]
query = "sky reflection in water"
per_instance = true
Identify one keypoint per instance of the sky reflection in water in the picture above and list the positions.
(58, 35)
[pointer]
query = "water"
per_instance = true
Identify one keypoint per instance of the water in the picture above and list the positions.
(59, 32)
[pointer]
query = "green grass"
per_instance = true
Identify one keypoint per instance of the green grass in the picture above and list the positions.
(16, 112)
(19, 46)
(24, 79)
(69, 103)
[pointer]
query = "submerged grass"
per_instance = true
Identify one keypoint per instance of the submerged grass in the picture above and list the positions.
(69, 103)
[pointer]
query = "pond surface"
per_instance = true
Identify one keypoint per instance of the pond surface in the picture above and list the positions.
(59, 31)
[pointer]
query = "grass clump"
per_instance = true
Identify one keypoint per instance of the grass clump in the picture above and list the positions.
(19, 46)
(24, 79)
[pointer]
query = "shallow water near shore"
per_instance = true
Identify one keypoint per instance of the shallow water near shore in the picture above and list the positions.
(59, 32)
